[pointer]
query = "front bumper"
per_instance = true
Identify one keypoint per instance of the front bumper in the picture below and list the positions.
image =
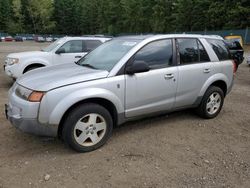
(24, 116)
(32, 126)
(8, 71)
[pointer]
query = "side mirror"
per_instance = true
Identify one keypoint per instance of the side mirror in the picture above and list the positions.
(60, 51)
(137, 67)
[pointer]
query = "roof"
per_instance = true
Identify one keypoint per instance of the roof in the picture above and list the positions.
(87, 38)
(143, 37)
(134, 37)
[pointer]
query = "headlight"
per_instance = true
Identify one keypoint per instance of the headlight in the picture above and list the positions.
(29, 95)
(12, 61)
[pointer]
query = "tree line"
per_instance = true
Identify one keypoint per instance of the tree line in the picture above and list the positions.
(75, 17)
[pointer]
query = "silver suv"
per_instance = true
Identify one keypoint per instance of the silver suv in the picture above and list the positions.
(122, 80)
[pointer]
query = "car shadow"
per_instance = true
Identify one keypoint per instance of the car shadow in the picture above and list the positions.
(159, 120)
(53, 146)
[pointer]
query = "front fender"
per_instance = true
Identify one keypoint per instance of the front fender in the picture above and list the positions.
(65, 103)
(211, 80)
(36, 61)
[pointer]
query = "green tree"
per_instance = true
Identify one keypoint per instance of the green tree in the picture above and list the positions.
(5, 13)
(16, 22)
(40, 13)
(66, 16)
(76, 17)
(162, 18)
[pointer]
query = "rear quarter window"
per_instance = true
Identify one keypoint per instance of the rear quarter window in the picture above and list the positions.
(220, 48)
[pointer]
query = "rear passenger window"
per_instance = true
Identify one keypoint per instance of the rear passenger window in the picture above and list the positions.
(191, 51)
(203, 56)
(90, 45)
(158, 54)
(220, 49)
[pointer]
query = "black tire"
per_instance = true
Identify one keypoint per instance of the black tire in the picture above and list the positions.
(75, 116)
(202, 111)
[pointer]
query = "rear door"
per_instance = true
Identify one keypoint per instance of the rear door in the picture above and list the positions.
(90, 45)
(194, 68)
(152, 91)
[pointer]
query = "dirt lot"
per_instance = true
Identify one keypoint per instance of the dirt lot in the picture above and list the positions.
(175, 150)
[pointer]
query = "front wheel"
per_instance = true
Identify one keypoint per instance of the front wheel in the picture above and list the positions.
(87, 127)
(211, 103)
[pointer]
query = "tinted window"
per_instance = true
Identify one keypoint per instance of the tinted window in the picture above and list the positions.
(188, 50)
(203, 56)
(157, 54)
(90, 45)
(233, 45)
(191, 51)
(74, 46)
(220, 49)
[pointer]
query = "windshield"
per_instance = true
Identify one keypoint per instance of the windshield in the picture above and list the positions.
(106, 56)
(53, 45)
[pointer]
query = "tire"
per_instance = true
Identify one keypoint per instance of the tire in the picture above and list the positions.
(211, 103)
(87, 127)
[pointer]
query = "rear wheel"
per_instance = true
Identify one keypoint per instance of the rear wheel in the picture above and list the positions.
(87, 127)
(211, 103)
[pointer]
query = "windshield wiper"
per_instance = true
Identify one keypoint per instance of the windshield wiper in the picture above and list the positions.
(87, 65)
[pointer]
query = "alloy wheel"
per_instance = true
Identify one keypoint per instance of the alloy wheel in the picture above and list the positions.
(90, 130)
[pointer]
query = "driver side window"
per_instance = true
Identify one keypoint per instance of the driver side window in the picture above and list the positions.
(158, 54)
(74, 46)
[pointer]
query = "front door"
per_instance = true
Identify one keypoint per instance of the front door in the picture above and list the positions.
(73, 51)
(152, 91)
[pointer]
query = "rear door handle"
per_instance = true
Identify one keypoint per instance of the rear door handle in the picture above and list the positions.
(78, 56)
(207, 71)
(169, 76)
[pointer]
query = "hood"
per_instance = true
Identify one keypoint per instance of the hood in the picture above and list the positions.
(26, 54)
(45, 79)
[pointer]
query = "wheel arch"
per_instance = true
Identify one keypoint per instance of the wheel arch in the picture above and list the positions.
(33, 65)
(219, 80)
(222, 85)
(97, 100)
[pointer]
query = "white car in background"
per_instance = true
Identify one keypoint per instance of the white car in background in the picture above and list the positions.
(48, 39)
(64, 50)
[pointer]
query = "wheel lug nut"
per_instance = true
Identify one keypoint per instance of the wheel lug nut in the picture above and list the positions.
(92, 132)
(94, 128)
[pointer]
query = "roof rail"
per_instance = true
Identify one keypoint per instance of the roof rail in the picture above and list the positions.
(98, 35)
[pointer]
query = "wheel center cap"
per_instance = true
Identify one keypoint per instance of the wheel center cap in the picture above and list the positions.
(91, 128)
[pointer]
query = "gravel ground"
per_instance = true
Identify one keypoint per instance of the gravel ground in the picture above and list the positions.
(174, 150)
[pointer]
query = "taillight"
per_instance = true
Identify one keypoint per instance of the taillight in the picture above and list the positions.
(234, 67)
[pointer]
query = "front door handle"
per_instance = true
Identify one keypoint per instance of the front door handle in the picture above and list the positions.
(78, 56)
(207, 71)
(169, 76)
